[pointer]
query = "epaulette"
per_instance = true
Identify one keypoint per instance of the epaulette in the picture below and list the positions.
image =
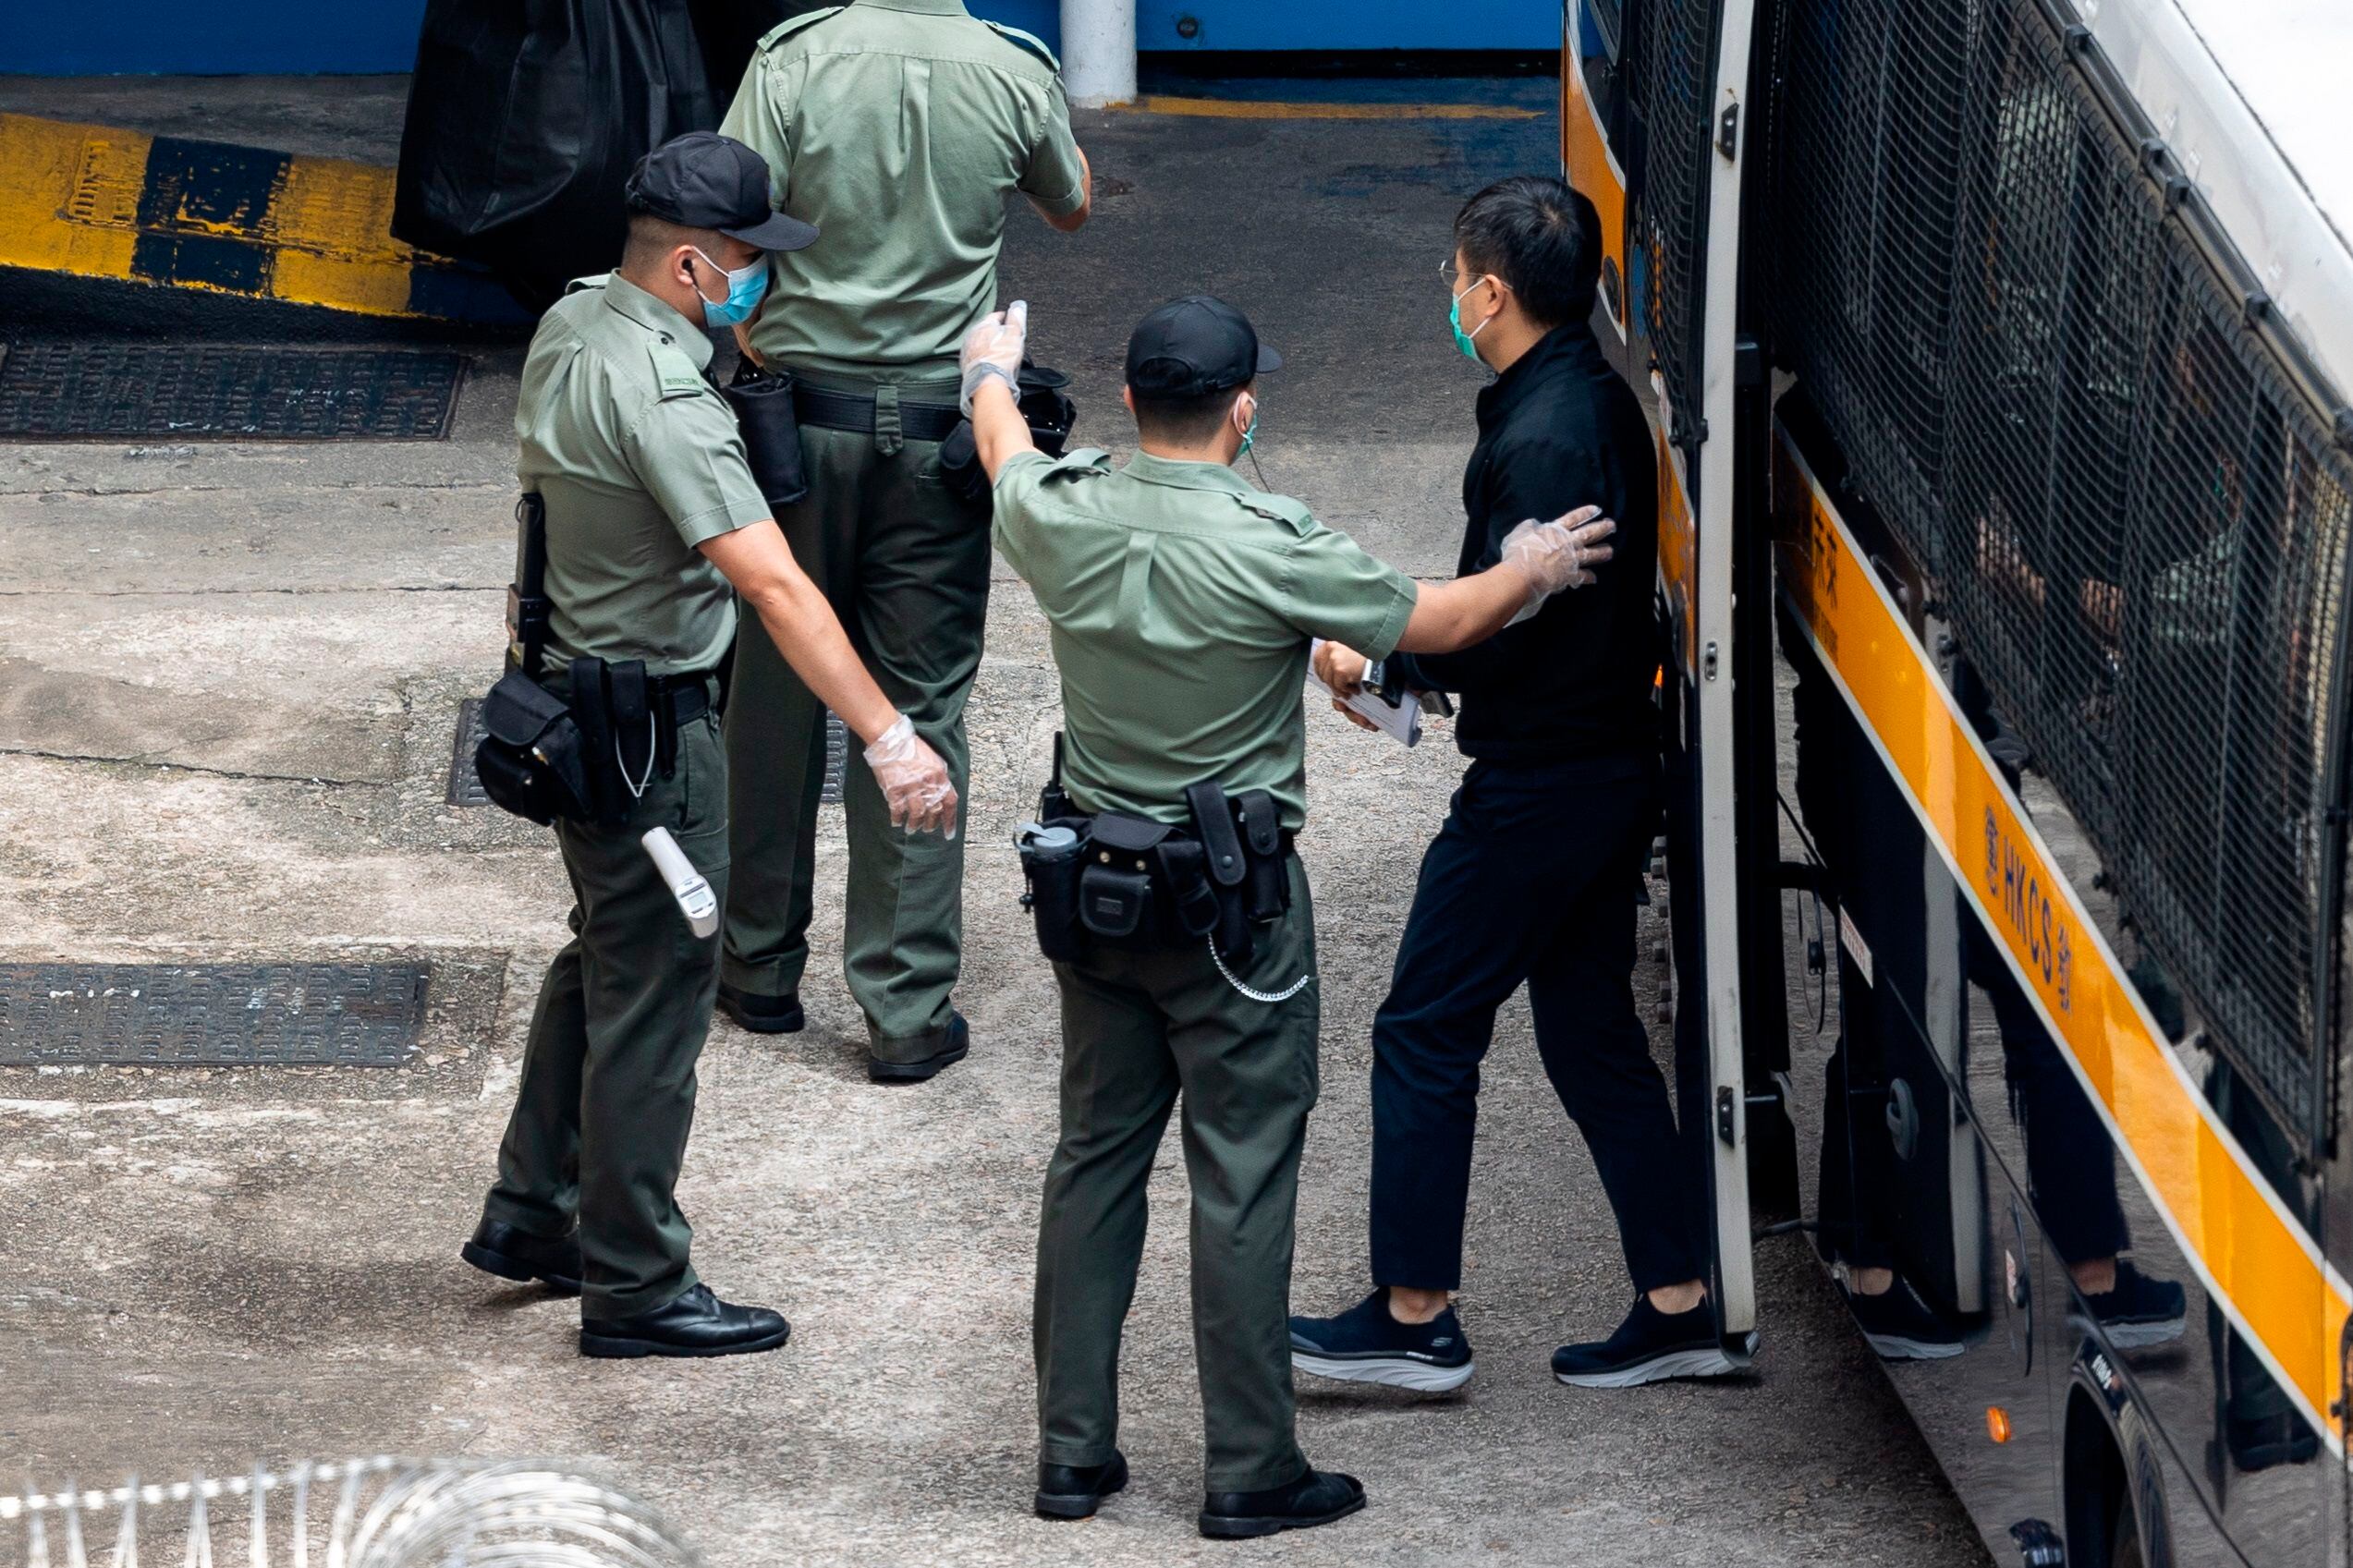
(1087, 460)
(673, 372)
(1279, 510)
(1028, 43)
(791, 25)
(595, 280)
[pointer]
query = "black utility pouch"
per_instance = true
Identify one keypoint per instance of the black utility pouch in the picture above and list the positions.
(764, 405)
(1116, 895)
(532, 760)
(1192, 899)
(1270, 876)
(960, 467)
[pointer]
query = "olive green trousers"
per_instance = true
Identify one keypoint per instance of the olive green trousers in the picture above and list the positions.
(1141, 1033)
(607, 1092)
(906, 566)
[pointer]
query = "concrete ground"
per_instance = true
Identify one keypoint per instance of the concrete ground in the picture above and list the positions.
(227, 679)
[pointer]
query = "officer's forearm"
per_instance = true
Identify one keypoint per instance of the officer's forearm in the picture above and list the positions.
(760, 565)
(1452, 615)
(998, 429)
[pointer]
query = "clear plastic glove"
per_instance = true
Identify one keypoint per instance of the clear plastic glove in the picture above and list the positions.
(1559, 555)
(914, 781)
(993, 349)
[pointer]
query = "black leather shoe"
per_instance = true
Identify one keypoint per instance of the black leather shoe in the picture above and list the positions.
(698, 1323)
(1075, 1491)
(1317, 1498)
(883, 1065)
(762, 1014)
(511, 1254)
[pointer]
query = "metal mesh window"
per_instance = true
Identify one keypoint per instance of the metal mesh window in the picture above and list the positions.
(1671, 79)
(2140, 528)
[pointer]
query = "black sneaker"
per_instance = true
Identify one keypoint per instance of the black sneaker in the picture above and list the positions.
(1366, 1345)
(1075, 1491)
(1649, 1346)
(2262, 1441)
(1316, 1498)
(2139, 1311)
(1901, 1327)
(763, 1014)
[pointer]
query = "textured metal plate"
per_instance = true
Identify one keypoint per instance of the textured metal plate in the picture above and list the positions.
(101, 391)
(465, 785)
(211, 1016)
(837, 760)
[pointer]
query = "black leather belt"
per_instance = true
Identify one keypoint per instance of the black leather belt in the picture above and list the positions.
(855, 412)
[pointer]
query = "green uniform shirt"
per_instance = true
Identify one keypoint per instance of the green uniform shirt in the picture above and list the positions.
(899, 127)
(638, 460)
(1182, 602)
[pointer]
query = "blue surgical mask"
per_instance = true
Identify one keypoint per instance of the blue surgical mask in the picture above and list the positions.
(1464, 340)
(1249, 436)
(746, 288)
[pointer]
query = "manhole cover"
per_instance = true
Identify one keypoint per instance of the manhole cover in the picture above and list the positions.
(215, 1016)
(466, 786)
(223, 392)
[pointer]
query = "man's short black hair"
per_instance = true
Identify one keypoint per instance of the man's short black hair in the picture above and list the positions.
(1542, 238)
(1186, 421)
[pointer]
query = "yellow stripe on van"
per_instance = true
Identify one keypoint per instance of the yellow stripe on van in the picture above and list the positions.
(117, 206)
(2256, 1260)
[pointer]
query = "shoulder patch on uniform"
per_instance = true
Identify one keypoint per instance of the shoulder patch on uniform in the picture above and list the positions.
(1028, 43)
(595, 280)
(673, 372)
(1279, 510)
(791, 25)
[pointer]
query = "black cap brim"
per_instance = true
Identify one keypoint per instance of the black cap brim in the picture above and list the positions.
(777, 233)
(1268, 360)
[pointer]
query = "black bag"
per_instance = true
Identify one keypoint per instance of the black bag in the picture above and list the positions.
(1048, 410)
(524, 119)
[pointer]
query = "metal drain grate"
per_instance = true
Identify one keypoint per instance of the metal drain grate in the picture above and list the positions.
(466, 786)
(100, 390)
(215, 1016)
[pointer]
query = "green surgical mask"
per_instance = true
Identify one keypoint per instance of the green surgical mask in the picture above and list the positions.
(1463, 340)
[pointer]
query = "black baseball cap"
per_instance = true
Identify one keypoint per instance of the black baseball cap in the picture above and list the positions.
(1193, 347)
(705, 180)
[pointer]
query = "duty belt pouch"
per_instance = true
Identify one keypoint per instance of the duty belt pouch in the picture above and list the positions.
(593, 712)
(1226, 866)
(532, 760)
(1270, 879)
(960, 467)
(764, 405)
(1053, 896)
(1115, 900)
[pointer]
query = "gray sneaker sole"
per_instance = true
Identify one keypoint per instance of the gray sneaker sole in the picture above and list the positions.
(1397, 1372)
(1698, 1361)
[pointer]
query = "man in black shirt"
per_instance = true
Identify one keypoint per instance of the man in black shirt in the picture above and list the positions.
(1533, 876)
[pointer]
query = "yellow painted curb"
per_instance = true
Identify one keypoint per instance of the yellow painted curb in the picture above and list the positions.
(97, 203)
(1244, 109)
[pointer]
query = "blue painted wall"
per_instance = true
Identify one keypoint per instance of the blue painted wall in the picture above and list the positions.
(302, 37)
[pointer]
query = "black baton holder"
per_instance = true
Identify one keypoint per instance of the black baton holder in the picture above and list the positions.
(764, 405)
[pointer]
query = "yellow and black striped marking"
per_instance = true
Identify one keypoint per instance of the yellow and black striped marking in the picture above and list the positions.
(109, 205)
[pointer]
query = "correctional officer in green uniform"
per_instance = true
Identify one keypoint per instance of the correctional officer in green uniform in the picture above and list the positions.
(901, 126)
(1183, 603)
(654, 528)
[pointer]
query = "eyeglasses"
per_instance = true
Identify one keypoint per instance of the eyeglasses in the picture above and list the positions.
(1453, 276)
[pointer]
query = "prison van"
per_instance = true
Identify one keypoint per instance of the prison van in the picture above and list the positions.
(1997, 354)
